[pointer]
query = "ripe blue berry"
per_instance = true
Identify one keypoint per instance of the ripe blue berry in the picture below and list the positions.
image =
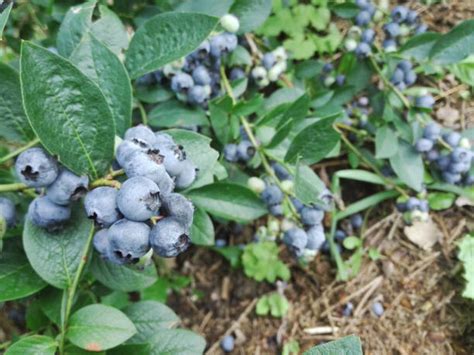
(187, 175)
(67, 187)
(276, 210)
(140, 135)
(181, 83)
(392, 29)
(237, 73)
(432, 131)
(169, 238)
(230, 153)
(180, 208)
(432, 155)
(316, 237)
(413, 203)
(296, 239)
(411, 17)
(36, 168)
(377, 308)
(198, 95)
(297, 203)
(218, 45)
(363, 18)
(340, 80)
(389, 44)
(7, 211)
(424, 206)
(126, 149)
(452, 138)
(227, 343)
(460, 155)
(272, 195)
(357, 221)
(398, 76)
(100, 205)
(46, 214)
(231, 41)
(421, 28)
(202, 51)
(405, 65)
(139, 199)
(399, 14)
(245, 150)
(311, 216)
(363, 50)
(340, 235)
(424, 145)
(201, 76)
(368, 36)
(129, 240)
(280, 171)
(410, 78)
(150, 166)
(268, 60)
(451, 178)
(173, 159)
(328, 68)
(426, 101)
(101, 242)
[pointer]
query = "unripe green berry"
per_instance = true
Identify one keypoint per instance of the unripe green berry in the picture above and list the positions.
(256, 184)
(329, 81)
(230, 23)
(287, 186)
(464, 143)
(350, 44)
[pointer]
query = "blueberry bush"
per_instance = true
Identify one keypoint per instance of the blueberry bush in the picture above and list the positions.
(132, 130)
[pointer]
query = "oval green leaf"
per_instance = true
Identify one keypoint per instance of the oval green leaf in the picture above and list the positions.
(165, 38)
(408, 165)
(202, 230)
(103, 67)
(121, 278)
(33, 345)
(251, 13)
(98, 327)
(110, 30)
(455, 45)
(150, 317)
(55, 256)
(4, 17)
(63, 105)
(173, 113)
(229, 201)
(177, 342)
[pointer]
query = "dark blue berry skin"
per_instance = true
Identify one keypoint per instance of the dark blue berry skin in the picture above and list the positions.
(392, 29)
(280, 171)
(399, 14)
(413, 203)
(424, 145)
(432, 155)
(389, 43)
(363, 18)
(237, 73)
(405, 65)
(432, 131)
(129, 240)
(297, 204)
(220, 243)
(180, 208)
(126, 149)
(268, 60)
(402, 207)
(101, 242)
(101, 206)
(296, 239)
(67, 187)
(46, 214)
(169, 238)
(276, 210)
(181, 83)
(316, 237)
(198, 95)
(469, 180)
(422, 28)
(363, 50)
(139, 199)
(340, 235)
(245, 150)
(410, 78)
(187, 176)
(451, 178)
(201, 76)
(443, 162)
(328, 68)
(311, 216)
(398, 76)
(424, 206)
(452, 138)
(340, 80)
(272, 195)
(230, 153)
(227, 343)
(362, 3)
(357, 221)
(378, 309)
(426, 101)
(141, 135)
(348, 308)
(36, 168)
(411, 17)
(368, 36)
(460, 155)
(7, 211)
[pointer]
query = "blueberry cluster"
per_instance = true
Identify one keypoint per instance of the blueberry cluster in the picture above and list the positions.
(241, 152)
(37, 169)
(454, 164)
(414, 209)
(145, 212)
(329, 76)
(354, 223)
(7, 212)
(403, 76)
(272, 65)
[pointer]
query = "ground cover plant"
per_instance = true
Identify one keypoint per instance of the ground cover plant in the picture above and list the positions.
(274, 136)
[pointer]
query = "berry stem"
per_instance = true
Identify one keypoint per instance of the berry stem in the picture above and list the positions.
(341, 267)
(70, 292)
(19, 151)
(258, 149)
(143, 113)
(13, 187)
(105, 182)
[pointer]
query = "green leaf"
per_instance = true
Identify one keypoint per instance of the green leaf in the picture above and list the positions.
(55, 256)
(4, 17)
(365, 203)
(467, 192)
(345, 10)
(127, 349)
(466, 256)
(122, 278)
(202, 230)
(408, 165)
(275, 304)
(281, 134)
(220, 110)
(17, 277)
(231, 253)
(33, 345)
(386, 143)
(173, 113)
(314, 142)
(351, 242)
(98, 327)
(229, 201)
(110, 30)
(251, 13)
(455, 45)
(300, 47)
(150, 317)
(76, 22)
(177, 342)
(14, 124)
(104, 68)
(297, 111)
(198, 150)
(261, 262)
(349, 345)
(464, 70)
(308, 185)
(63, 105)
(208, 7)
(165, 38)
(419, 47)
(361, 175)
(439, 201)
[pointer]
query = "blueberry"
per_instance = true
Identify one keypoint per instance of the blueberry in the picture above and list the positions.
(180, 208)
(67, 187)
(311, 216)
(139, 199)
(421, 28)
(220, 243)
(173, 158)
(328, 68)
(402, 207)
(227, 343)
(126, 149)
(187, 176)
(100, 205)
(140, 135)
(46, 214)
(181, 83)
(399, 14)
(410, 78)
(316, 237)
(469, 180)
(424, 145)
(424, 206)
(432, 155)
(340, 235)
(443, 162)
(405, 65)
(411, 17)
(296, 239)
(129, 240)
(363, 50)
(101, 242)
(363, 101)
(231, 41)
(340, 80)
(348, 308)
(363, 18)
(268, 60)
(198, 95)
(202, 51)
(368, 36)
(413, 203)
(146, 80)
(230, 153)
(163, 140)
(426, 101)
(459, 168)
(452, 138)
(245, 150)
(297, 204)
(392, 29)
(357, 221)
(362, 3)
(398, 76)
(451, 178)
(281, 172)
(272, 195)
(36, 168)
(377, 308)
(237, 73)
(218, 45)
(432, 131)
(201, 76)
(169, 238)
(390, 45)
(460, 155)
(276, 210)
(7, 211)
(151, 166)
